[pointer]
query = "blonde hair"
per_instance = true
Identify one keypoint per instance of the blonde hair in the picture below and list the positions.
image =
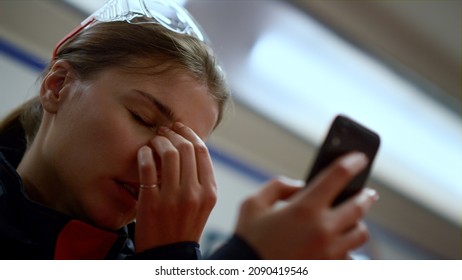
(124, 45)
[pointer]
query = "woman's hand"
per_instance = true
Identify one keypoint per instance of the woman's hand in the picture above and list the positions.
(177, 208)
(307, 227)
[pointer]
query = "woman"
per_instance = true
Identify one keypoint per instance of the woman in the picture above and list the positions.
(117, 134)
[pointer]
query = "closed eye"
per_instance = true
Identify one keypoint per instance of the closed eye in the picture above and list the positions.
(142, 120)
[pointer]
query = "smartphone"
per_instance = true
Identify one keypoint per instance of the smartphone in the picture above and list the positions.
(346, 135)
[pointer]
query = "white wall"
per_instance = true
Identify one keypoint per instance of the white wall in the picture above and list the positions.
(18, 83)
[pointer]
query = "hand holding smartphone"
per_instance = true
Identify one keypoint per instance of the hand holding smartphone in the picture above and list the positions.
(346, 135)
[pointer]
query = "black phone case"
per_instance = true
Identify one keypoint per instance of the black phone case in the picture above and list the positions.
(346, 135)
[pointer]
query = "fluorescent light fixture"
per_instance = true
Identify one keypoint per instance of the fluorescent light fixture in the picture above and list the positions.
(87, 6)
(302, 77)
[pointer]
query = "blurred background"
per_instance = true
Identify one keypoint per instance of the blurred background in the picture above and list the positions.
(394, 66)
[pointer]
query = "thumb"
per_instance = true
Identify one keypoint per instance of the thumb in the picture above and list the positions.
(276, 190)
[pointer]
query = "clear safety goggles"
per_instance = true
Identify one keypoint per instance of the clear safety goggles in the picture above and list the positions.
(167, 13)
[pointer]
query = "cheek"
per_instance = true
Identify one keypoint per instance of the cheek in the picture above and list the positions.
(114, 137)
(102, 141)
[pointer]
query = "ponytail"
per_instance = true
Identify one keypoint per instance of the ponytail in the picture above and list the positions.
(18, 129)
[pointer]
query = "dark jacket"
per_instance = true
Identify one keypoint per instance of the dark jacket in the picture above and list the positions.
(29, 230)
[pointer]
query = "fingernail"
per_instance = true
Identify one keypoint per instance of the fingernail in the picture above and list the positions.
(178, 125)
(292, 182)
(367, 198)
(355, 161)
(144, 154)
(163, 129)
(373, 194)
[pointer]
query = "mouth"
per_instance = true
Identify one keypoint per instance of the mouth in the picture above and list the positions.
(132, 189)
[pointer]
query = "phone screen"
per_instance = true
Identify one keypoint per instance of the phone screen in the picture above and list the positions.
(346, 135)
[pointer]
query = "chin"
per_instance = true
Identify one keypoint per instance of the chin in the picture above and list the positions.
(110, 222)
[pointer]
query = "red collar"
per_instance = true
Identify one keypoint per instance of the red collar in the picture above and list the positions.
(81, 241)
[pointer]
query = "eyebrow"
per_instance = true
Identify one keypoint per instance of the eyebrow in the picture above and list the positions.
(164, 110)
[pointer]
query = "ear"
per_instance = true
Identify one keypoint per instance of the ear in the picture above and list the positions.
(52, 88)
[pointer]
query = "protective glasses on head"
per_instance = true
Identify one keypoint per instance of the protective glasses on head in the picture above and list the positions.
(167, 13)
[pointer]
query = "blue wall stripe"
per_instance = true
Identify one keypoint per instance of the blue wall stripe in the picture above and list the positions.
(37, 64)
(238, 165)
(21, 55)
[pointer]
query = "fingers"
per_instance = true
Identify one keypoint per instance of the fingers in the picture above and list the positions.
(329, 183)
(179, 208)
(322, 231)
(354, 238)
(148, 180)
(267, 197)
(354, 209)
(146, 167)
(187, 168)
(178, 152)
(204, 162)
(147, 196)
(187, 155)
(195, 162)
(348, 222)
(277, 190)
(148, 176)
(170, 164)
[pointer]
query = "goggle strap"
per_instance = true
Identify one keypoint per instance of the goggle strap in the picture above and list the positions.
(71, 34)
